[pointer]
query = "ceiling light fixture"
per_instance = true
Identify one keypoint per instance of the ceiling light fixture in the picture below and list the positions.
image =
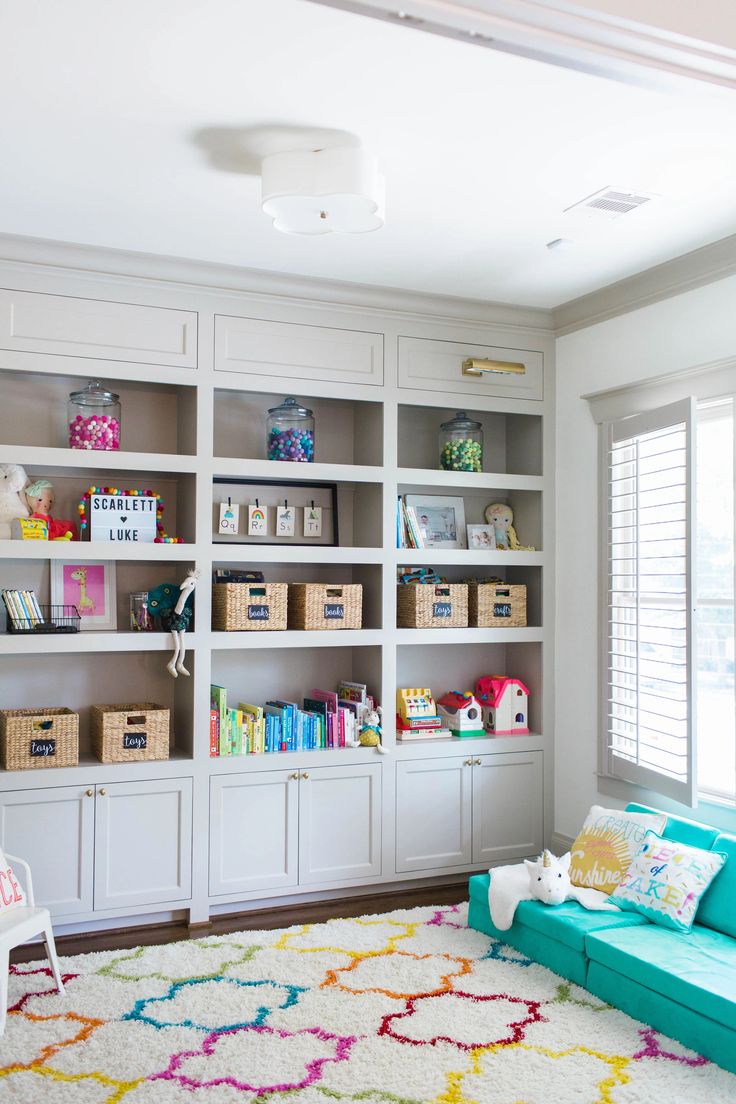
(327, 191)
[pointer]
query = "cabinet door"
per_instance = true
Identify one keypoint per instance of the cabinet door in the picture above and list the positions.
(53, 830)
(34, 322)
(143, 843)
(264, 348)
(432, 365)
(340, 823)
(433, 814)
(508, 806)
(253, 831)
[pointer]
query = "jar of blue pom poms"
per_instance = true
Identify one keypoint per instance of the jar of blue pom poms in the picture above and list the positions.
(290, 432)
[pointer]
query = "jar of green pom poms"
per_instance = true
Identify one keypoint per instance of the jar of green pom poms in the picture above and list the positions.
(461, 444)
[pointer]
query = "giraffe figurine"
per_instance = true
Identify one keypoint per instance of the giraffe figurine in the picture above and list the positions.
(85, 602)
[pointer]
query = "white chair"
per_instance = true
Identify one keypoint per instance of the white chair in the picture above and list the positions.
(17, 926)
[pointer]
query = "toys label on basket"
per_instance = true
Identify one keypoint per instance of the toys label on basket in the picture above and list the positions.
(43, 748)
(115, 517)
(442, 609)
(135, 740)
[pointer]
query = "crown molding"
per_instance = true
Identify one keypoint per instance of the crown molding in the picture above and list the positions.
(685, 273)
(564, 33)
(93, 260)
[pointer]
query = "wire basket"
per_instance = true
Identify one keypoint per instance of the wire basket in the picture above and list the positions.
(54, 619)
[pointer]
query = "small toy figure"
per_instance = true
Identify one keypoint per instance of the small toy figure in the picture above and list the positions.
(501, 517)
(461, 713)
(12, 504)
(173, 606)
(40, 498)
(370, 730)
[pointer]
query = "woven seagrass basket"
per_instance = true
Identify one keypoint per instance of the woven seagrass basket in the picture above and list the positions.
(130, 733)
(432, 606)
(36, 738)
(241, 607)
(497, 605)
(322, 606)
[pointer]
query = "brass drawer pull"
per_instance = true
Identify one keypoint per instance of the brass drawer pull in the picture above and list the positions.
(477, 366)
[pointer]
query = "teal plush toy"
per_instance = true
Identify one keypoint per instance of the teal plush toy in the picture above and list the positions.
(172, 606)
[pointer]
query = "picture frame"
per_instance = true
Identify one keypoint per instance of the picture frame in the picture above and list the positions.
(81, 583)
(481, 537)
(273, 495)
(441, 520)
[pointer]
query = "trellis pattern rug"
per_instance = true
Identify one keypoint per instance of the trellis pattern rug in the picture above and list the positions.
(406, 1007)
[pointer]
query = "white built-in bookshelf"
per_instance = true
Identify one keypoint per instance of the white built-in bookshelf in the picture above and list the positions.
(196, 368)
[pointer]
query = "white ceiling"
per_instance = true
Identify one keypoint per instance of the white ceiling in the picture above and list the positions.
(139, 125)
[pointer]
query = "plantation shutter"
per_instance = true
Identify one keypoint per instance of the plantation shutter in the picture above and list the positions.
(649, 702)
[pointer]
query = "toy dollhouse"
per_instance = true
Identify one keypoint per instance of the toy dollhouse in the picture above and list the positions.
(461, 713)
(505, 705)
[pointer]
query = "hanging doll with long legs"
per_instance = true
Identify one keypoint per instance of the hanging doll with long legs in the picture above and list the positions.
(172, 606)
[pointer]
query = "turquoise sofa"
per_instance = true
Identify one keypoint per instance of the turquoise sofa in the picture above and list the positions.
(682, 985)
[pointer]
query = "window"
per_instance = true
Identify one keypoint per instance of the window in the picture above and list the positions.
(669, 601)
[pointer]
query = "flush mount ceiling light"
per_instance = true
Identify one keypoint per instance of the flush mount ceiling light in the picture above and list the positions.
(327, 191)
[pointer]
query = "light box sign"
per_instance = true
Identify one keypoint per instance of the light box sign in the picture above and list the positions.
(129, 518)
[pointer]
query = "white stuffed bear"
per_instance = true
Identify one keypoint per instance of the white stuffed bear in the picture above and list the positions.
(12, 504)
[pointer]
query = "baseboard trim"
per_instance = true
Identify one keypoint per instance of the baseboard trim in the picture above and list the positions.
(560, 844)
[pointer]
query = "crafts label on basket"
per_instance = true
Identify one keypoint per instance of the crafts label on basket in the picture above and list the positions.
(134, 740)
(258, 613)
(43, 748)
(442, 609)
(501, 609)
(334, 611)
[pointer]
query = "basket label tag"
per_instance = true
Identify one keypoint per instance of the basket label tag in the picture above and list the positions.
(334, 611)
(43, 748)
(134, 740)
(501, 609)
(442, 609)
(258, 613)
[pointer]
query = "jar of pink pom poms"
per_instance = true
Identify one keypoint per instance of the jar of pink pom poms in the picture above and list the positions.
(94, 418)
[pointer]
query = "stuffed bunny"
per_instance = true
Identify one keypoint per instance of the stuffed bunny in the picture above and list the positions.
(12, 503)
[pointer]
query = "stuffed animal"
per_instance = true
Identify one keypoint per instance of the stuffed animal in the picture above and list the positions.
(12, 504)
(40, 497)
(370, 730)
(501, 517)
(172, 605)
(547, 879)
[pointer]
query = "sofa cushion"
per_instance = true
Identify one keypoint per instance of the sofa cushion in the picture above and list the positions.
(681, 830)
(696, 969)
(718, 906)
(568, 923)
(606, 844)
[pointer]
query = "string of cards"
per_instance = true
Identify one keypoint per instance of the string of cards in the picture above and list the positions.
(257, 521)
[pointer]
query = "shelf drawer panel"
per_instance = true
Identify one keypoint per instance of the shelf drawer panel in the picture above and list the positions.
(430, 365)
(299, 352)
(32, 322)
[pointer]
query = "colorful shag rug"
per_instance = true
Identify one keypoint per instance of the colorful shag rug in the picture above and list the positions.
(406, 1007)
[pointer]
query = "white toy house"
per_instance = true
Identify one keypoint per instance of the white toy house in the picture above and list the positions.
(505, 704)
(461, 713)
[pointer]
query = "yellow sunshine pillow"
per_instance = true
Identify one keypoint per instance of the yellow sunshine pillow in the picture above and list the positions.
(607, 843)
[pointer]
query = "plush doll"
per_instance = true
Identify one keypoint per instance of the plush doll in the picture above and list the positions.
(12, 504)
(40, 498)
(501, 517)
(172, 606)
(547, 879)
(370, 731)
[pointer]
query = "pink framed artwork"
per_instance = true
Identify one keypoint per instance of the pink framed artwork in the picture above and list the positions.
(91, 588)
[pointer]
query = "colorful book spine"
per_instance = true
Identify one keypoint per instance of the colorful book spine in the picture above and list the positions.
(214, 733)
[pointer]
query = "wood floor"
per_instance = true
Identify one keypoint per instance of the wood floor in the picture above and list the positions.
(282, 917)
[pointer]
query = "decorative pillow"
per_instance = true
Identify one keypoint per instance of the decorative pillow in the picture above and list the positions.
(606, 844)
(11, 894)
(666, 881)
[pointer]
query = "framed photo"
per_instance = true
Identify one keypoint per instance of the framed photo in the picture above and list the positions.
(294, 513)
(441, 520)
(89, 586)
(481, 537)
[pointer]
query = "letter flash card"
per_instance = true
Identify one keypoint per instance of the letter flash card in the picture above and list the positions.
(229, 517)
(312, 521)
(257, 521)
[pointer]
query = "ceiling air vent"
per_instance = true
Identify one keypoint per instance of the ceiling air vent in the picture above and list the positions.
(609, 203)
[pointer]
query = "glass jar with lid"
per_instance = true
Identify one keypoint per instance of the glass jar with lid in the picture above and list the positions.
(461, 444)
(93, 415)
(290, 432)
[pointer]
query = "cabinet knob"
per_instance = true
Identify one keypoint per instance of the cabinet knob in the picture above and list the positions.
(103, 791)
(476, 762)
(468, 763)
(90, 793)
(294, 776)
(305, 774)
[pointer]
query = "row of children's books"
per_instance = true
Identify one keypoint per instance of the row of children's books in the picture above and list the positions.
(23, 608)
(326, 719)
(408, 531)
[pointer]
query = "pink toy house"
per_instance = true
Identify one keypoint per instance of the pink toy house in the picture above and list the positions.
(505, 703)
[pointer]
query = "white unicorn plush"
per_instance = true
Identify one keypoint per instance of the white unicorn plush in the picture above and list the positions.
(547, 879)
